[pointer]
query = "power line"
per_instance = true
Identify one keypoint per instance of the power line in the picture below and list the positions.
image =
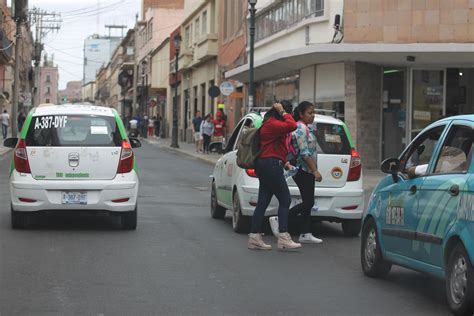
(76, 10)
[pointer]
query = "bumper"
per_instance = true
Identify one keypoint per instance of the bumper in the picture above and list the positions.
(48, 193)
(329, 202)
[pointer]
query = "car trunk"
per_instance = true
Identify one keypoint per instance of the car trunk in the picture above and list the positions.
(334, 155)
(73, 147)
(73, 163)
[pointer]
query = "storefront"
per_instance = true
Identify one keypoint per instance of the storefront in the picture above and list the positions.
(427, 94)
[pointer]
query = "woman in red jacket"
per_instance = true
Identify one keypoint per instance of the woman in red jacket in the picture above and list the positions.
(274, 133)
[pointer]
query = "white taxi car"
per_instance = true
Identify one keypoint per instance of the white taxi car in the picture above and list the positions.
(73, 157)
(338, 198)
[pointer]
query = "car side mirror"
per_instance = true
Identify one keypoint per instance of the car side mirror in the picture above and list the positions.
(391, 166)
(135, 143)
(10, 142)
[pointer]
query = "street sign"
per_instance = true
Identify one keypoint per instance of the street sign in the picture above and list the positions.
(227, 88)
(25, 98)
(214, 91)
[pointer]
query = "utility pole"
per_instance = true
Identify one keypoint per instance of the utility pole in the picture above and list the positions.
(135, 67)
(45, 22)
(20, 18)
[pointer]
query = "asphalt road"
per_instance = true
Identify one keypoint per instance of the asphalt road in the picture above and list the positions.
(180, 261)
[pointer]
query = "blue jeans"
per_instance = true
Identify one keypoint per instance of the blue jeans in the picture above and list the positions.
(4, 131)
(272, 182)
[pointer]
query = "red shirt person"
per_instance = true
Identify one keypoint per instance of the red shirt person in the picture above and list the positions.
(219, 125)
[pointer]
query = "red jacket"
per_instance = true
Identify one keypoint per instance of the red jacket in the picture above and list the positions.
(273, 136)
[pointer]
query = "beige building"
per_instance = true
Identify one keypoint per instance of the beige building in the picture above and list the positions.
(159, 19)
(160, 70)
(88, 92)
(387, 68)
(197, 63)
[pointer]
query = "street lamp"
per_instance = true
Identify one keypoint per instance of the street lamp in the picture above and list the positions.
(174, 131)
(252, 10)
(143, 98)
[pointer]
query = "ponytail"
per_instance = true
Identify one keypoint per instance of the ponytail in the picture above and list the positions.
(300, 109)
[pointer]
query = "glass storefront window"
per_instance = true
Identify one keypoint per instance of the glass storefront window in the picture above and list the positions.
(428, 98)
(283, 88)
(459, 91)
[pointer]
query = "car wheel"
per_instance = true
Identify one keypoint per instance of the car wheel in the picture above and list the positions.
(217, 211)
(240, 223)
(19, 219)
(129, 219)
(460, 282)
(351, 227)
(372, 261)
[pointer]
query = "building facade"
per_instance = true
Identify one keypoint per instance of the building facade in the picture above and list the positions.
(97, 51)
(72, 93)
(102, 93)
(49, 81)
(88, 92)
(384, 67)
(160, 85)
(231, 54)
(198, 63)
(7, 32)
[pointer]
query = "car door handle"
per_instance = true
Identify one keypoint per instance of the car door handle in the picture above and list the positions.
(454, 190)
(413, 189)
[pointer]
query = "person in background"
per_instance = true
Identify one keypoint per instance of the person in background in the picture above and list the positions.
(151, 126)
(274, 133)
(219, 125)
(304, 155)
(207, 130)
(157, 123)
(21, 119)
(143, 125)
(196, 125)
(134, 126)
(5, 123)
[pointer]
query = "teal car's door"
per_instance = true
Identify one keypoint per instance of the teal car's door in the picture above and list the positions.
(400, 200)
(441, 191)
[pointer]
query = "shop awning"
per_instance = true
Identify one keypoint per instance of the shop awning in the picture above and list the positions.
(429, 55)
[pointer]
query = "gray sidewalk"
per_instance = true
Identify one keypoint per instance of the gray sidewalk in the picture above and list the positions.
(371, 177)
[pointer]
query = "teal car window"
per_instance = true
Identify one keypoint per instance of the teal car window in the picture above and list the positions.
(456, 149)
(422, 150)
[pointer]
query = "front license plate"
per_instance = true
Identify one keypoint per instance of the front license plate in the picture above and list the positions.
(74, 198)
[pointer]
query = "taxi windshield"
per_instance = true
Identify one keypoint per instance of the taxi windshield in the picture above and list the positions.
(73, 131)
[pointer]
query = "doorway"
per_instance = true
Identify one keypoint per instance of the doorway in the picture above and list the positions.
(394, 105)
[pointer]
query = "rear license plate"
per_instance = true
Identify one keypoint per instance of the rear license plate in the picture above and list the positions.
(74, 198)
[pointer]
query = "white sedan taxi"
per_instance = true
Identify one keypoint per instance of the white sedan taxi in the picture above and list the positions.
(73, 157)
(338, 198)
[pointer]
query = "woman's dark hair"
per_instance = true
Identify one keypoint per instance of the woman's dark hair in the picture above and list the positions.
(287, 106)
(301, 109)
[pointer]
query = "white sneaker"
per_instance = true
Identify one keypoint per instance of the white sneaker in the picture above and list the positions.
(274, 225)
(309, 239)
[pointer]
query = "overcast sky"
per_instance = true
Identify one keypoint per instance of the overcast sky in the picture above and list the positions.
(79, 21)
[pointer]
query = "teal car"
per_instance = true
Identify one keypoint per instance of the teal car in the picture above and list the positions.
(421, 216)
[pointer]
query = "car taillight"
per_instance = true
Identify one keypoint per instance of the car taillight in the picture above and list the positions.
(20, 158)
(355, 168)
(251, 173)
(126, 158)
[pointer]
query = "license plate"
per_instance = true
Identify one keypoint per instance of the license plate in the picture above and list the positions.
(74, 198)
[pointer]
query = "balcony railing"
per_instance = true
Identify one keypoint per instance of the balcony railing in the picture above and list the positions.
(286, 14)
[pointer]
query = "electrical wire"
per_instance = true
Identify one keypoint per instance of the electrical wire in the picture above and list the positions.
(96, 10)
(3, 49)
(82, 9)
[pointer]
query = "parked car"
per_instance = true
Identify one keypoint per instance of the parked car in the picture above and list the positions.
(73, 157)
(339, 197)
(421, 216)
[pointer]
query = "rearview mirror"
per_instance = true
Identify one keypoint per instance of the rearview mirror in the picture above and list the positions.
(391, 166)
(135, 143)
(10, 142)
